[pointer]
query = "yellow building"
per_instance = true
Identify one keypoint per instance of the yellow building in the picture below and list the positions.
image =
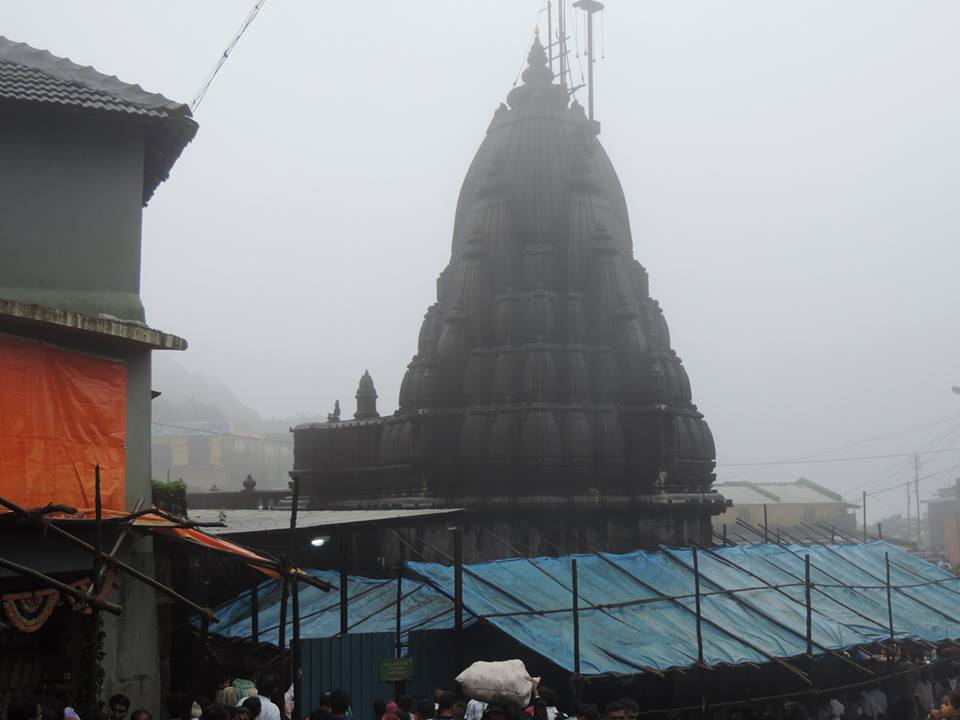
(211, 454)
(789, 505)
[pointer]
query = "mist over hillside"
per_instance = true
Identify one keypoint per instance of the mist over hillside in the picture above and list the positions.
(187, 396)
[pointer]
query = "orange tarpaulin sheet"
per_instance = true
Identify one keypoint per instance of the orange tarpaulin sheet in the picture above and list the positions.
(209, 541)
(61, 414)
(160, 524)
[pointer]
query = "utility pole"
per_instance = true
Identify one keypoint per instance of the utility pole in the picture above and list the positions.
(864, 515)
(590, 7)
(916, 487)
(909, 494)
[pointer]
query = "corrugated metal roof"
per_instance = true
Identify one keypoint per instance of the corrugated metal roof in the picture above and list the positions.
(248, 521)
(743, 495)
(194, 427)
(801, 491)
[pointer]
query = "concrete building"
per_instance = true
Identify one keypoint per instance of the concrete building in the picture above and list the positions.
(210, 456)
(788, 506)
(81, 153)
(943, 522)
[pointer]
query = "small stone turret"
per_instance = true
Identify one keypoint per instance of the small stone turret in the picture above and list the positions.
(366, 398)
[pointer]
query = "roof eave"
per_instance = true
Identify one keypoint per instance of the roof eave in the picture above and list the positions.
(172, 137)
(128, 332)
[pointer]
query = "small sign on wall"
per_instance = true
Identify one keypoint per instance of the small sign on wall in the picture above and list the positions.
(396, 669)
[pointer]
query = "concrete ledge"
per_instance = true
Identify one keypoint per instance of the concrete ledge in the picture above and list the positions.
(126, 331)
(661, 502)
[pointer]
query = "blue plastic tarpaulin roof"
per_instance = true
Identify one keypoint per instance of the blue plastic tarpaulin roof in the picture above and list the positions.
(371, 606)
(638, 609)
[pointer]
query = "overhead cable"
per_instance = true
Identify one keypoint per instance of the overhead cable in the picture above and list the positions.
(198, 98)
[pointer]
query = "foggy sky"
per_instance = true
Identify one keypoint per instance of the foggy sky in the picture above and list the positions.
(790, 170)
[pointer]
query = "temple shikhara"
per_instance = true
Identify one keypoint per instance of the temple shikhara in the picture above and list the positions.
(544, 395)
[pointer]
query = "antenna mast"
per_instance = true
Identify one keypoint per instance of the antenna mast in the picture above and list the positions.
(562, 42)
(590, 7)
(550, 34)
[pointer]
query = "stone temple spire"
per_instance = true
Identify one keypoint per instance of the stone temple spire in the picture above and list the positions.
(366, 398)
(544, 347)
(544, 391)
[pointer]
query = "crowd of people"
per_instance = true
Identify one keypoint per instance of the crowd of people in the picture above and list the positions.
(51, 708)
(912, 692)
(909, 688)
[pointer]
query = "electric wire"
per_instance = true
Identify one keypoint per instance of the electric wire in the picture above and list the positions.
(202, 92)
(892, 470)
(916, 480)
(885, 436)
(852, 458)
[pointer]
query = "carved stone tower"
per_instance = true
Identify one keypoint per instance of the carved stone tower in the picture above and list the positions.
(366, 398)
(544, 394)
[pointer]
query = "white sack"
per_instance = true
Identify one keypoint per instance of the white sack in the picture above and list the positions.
(506, 681)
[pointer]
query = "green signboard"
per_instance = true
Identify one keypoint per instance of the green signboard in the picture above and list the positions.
(396, 669)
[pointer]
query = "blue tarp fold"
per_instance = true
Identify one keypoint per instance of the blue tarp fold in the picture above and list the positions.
(371, 606)
(638, 609)
(620, 635)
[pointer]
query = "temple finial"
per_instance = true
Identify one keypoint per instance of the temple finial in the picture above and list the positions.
(537, 79)
(537, 59)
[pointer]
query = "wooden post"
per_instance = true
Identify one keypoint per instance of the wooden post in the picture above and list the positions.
(46, 526)
(294, 674)
(282, 630)
(696, 595)
(295, 654)
(807, 586)
(889, 601)
(344, 600)
(255, 613)
(724, 534)
(576, 619)
(880, 531)
(204, 639)
(81, 595)
(458, 596)
(701, 666)
(766, 537)
(399, 621)
(400, 686)
(98, 542)
(94, 624)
